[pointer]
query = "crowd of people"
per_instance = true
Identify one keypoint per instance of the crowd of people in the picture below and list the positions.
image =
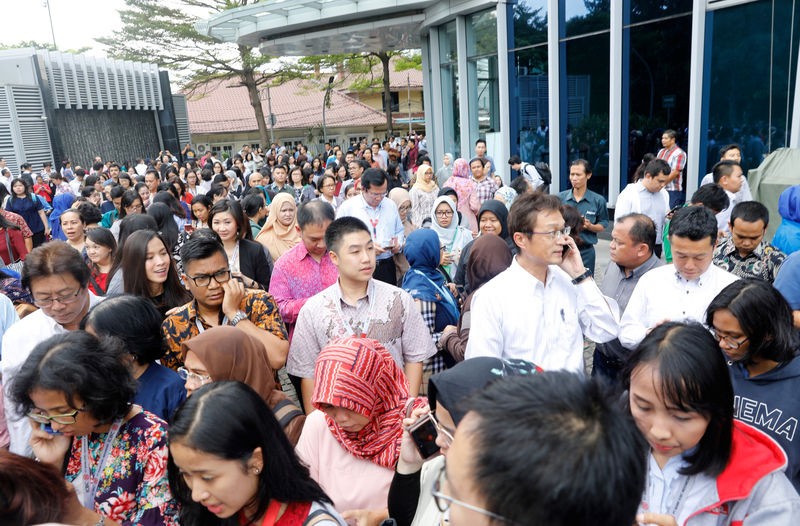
(356, 337)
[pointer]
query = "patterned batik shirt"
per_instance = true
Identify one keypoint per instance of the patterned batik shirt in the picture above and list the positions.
(762, 263)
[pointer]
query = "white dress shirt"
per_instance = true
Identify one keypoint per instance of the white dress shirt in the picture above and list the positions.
(744, 193)
(383, 222)
(724, 217)
(517, 316)
(636, 199)
(663, 294)
(18, 342)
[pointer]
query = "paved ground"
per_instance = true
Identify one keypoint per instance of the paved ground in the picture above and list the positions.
(601, 262)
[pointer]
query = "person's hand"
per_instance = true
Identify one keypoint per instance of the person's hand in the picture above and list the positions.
(378, 249)
(587, 225)
(248, 283)
(73, 511)
(572, 263)
(453, 289)
(447, 258)
(365, 517)
(50, 449)
(410, 460)
(657, 519)
(234, 294)
(449, 328)
(665, 320)
(475, 234)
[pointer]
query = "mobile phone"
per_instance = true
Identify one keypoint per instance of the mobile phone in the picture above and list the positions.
(423, 433)
(49, 429)
(564, 251)
(188, 227)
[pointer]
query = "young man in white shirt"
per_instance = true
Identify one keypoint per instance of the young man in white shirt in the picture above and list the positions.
(540, 307)
(731, 152)
(381, 217)
(647, 196)
(683, 290)
(728, 174)
(57, 277)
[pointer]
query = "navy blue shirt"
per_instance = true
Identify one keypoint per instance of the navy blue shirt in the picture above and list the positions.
(592, 207)
(161, 391)
(29, 210)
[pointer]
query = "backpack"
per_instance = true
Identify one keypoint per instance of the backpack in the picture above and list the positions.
(542, 169)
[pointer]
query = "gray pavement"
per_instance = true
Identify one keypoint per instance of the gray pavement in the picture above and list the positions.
(602, 259)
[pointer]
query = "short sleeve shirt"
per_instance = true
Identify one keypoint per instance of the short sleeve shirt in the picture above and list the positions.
(592, 207)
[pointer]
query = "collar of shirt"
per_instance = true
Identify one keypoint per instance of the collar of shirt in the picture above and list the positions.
(700, 281)
(340, 296)
(524, 275)
(727, 248)
(370, 208)
(642, 269)
(302, 253)
(55, 327)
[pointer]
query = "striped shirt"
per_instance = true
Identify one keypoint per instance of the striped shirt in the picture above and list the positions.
(676, 159)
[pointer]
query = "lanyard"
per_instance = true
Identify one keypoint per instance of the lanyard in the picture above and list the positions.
(365, 328)
(90, 483)
(676, 504)
(202, 329)
(373, 222)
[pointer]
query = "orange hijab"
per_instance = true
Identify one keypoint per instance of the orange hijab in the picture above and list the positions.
(277, 237)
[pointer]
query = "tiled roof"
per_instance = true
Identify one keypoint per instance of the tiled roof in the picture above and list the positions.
(222, 106)
(398, 80)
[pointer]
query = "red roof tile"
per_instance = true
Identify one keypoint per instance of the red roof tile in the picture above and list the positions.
(221, 107)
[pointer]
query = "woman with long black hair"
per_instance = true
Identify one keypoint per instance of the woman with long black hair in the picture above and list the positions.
(23, 202)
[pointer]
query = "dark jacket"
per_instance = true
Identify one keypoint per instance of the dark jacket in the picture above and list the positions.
(253, 262)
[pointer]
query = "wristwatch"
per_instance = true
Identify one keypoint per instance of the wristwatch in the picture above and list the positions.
(586, 274)
(241, 315)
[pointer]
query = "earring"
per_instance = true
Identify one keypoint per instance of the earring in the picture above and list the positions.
(257, 470)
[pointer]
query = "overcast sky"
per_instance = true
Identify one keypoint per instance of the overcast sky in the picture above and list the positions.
(76, 22)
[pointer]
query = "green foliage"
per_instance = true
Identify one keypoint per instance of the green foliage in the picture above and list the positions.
(43, 45)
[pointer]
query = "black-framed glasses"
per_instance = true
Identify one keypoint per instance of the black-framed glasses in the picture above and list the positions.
(204, 280)
(65, 419)
(443, 501)
(732, 343)
(444, 213)
(64, 300)
(553, 234)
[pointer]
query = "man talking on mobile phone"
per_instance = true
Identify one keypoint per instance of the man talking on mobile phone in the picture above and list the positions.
(540, 308)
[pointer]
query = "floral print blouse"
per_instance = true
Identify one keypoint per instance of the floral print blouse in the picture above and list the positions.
(134, 489)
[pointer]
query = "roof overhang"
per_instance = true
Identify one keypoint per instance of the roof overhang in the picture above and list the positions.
(315, 27)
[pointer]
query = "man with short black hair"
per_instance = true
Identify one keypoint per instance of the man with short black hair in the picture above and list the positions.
(356, 168)
(528, 171)
(633, 242)
(681, 291)
(711, 196)
(77, 183)
(676, 159)
(485, 186)
(152, 178)
(541, 306)
(383, 218)
(480, 152)
(731, 152)
(744, 252)
(113, 174)
(280, 174)
(220, 299)
(357, 304)
(647, 196)
(728, 174)
(591, 205)
(528, 425)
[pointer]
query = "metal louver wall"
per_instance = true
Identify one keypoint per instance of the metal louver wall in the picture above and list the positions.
(182, 119)
(23, 128)
(85, 82)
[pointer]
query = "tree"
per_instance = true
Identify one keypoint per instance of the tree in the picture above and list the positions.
(162, 32)
(42, 45)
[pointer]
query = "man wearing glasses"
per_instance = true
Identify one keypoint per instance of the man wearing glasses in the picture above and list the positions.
(57, 278)
(220, 299)
(382, 218)
(540, 308)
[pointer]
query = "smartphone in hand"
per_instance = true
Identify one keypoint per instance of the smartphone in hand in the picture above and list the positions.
(423, 433)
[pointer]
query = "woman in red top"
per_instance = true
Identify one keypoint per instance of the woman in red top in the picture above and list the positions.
(100, 248)
(230, 461)
(10, 233)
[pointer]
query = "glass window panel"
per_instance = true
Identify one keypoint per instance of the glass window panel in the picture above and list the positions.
(530, 23)
(586, 16)
(643, 10)
(484, 97)
(448, 48)
(752, 91)
(482, 33)
(659, 88)
(529, 104)
(587, 105)
(450, 111)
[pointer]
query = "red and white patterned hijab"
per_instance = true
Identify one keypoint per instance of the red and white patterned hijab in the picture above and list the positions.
(359, 374)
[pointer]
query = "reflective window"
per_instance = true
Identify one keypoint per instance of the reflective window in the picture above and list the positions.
(643, 10)
(482, 33)
(529, 104)
(586, 16)
(659, 86)
(587, 106)
(449, 72)
(753, 62)
(530, 23)
(448, 48)
(482, 82)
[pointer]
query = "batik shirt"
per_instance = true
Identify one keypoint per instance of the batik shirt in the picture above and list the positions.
(762, 263)
(134, 489)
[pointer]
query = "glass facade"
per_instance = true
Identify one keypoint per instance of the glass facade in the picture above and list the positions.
(482, 81)
(752, 75)
(448, 60)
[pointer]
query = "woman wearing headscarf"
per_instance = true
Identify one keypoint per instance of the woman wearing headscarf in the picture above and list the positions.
(452, 237)
(411, 500)
(489, 257)
(492, 219)
(351, 445)
(427, 286)
(444, 173)
(402, 199)
(61, 203)
(279, 232)
(468, 203)
(423, 194)
(228, 353)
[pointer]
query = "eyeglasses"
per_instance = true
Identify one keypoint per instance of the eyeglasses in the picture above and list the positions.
(443, 501)
(64, 300)
(444, 213)
(187, 375)
(405, 208)
(204, 280)
(553, 235)
(65, 419)
(448, 436)
(733, 344)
